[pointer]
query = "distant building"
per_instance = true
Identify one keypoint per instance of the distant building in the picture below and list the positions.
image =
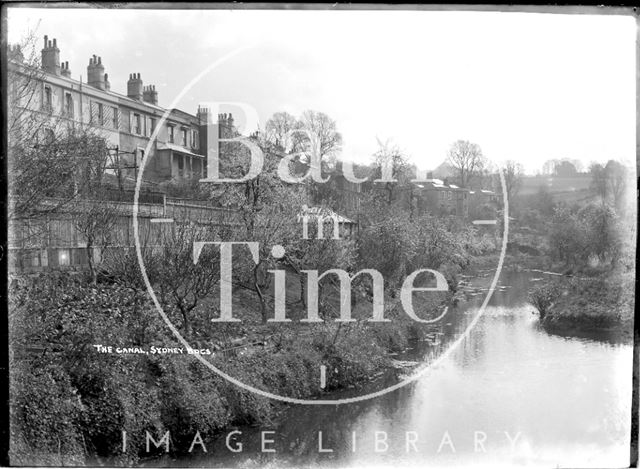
(332, 224)
(440, 198)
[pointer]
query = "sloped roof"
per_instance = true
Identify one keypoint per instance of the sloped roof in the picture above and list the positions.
(325, 212)
(178, 148)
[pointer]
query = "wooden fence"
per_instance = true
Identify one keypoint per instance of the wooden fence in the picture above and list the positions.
(54, 241)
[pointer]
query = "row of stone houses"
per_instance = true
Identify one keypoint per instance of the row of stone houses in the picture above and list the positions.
(438, 196)
(126, 122)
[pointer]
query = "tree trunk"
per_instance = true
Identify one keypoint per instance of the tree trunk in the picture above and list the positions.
(256, 286)
(185, 321)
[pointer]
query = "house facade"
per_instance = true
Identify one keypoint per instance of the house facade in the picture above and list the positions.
(125, 121)
(437, 197)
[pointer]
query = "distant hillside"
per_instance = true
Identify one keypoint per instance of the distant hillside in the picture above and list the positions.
(554, 184)
(566, 189)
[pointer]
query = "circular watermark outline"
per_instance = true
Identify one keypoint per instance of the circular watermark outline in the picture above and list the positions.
(419, 373)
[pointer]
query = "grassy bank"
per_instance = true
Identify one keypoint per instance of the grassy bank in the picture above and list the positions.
(603, 302)
(70, 402)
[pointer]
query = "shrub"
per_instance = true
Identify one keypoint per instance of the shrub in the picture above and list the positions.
(45, 409)
(543, 296)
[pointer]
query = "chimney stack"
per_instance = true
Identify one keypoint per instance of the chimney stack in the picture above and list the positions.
(51, 57)
(15, 53)
(64, 70)
(225, 125)
(134, 87)
(95, 73)
(203, 115)
(149, 94)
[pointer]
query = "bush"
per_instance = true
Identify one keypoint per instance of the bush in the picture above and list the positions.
(45, 411)
(543, 296)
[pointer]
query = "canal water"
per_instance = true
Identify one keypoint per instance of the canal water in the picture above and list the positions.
(509, 395)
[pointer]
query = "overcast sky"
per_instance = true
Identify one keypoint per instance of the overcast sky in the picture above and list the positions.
(524, 86)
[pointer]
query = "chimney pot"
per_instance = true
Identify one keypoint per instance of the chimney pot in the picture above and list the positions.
(46, 41)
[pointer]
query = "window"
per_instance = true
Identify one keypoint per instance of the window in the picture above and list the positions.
(100, 114)
(34, 258)
(184, 137)
(125, 120)
(47, 98)
(137, 122)
(63, 257)
(152, 125)
(194, 139)
(68, 104)
(180, 165)
(114, 117)
(171, 133)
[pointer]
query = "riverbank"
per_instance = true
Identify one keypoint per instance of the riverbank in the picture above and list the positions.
(497, 381)
(581, 305)
(96, 344)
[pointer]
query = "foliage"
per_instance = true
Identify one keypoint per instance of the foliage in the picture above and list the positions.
(182, 283)
(603, 302)
(603, 231)
(543, 296)
(611, 183)
(568, 237)
(389, 245)
(578, 234)
(543, 201)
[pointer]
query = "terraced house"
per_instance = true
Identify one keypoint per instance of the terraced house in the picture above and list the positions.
(125, 125)
(126, 122)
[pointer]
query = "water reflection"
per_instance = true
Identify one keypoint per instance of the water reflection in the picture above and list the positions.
(511, 394)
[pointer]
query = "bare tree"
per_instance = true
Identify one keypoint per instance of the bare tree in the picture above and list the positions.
(278, 130)
(513, 172)
(389, 158)
(181, 284)
(467, 160)
(96, 221)
(325, 139)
